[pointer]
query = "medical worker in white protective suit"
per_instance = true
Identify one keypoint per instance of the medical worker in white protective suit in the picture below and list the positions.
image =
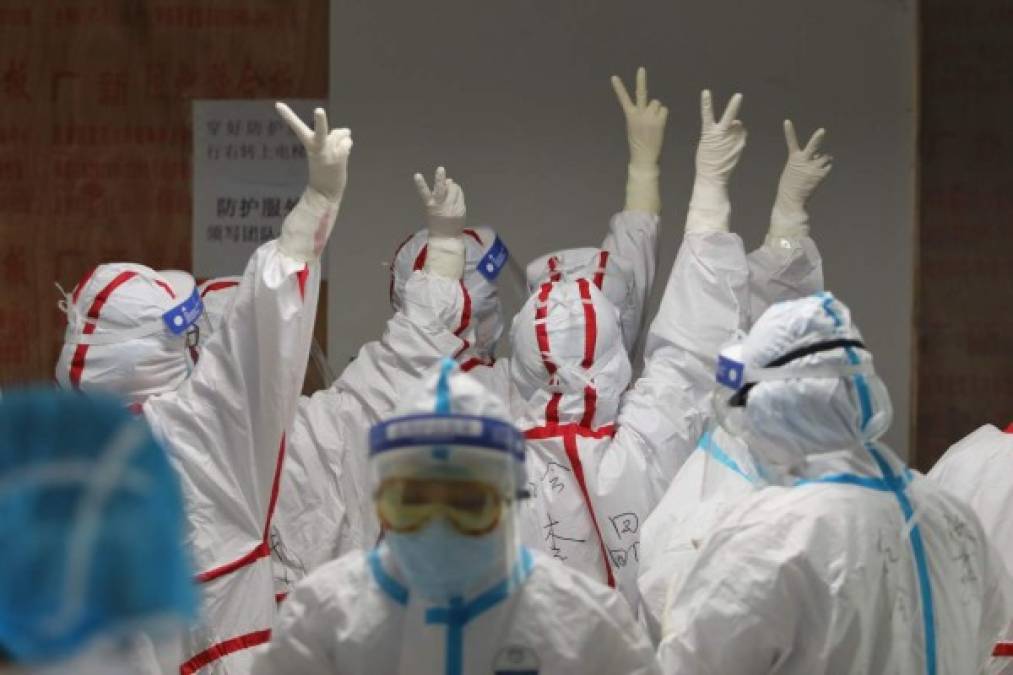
(859, 565)
(450, 590)
(328, 513)
(979, 470)
(722, 471)
(599, 459)
(94, 578)
(324, 509)
(136, 332)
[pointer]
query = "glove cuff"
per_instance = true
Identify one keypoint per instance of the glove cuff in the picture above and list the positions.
(445, 256)
(308, 226)
(788, 221)
(642, 188)
(445, 226)
(709, 208)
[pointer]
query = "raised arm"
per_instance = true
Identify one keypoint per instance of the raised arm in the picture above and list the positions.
(788, 264)
(633, 233)
(324, 509)
(227, 423)
(705, 302)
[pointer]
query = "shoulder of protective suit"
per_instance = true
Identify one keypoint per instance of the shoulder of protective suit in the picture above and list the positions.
(984, 449)
(566, 592)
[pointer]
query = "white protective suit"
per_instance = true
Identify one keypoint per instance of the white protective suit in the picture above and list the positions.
(358, 615)
(226, 425)
(722, 471)
(979, 470)
(600, 461)
(861, 566)
(324, 509)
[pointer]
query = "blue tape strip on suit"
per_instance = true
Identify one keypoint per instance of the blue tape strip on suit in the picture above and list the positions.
(459, 613)
(891, 482)
(711, 447)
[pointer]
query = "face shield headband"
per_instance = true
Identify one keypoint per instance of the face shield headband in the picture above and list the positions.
(440, 431)
(735, 374)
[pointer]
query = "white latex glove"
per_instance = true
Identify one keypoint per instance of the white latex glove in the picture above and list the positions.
(721, 144)
(445, 208)
(645, 132)
(308, 226)
(805, 170)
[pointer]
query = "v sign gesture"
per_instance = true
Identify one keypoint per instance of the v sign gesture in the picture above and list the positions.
(645, 131)
(721, 141)
(308, 226)
(445, 207)
(326, 152)
(805, 170)
(721, 144)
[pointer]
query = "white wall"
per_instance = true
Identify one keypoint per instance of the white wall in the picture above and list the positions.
(514, 99)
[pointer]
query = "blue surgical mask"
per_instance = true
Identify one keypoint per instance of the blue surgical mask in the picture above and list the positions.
(439, 563)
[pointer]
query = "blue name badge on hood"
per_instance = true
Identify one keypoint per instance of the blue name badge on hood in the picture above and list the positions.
(730, 372)
(494, 260)
(182, 316)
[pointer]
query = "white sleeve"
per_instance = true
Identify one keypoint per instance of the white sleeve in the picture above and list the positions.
(633, 238)
(226, 424)
(298, 643)
(783, 269)
(728, 614)
(704, 303)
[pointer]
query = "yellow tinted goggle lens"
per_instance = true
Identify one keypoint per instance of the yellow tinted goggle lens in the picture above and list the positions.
(405, 504)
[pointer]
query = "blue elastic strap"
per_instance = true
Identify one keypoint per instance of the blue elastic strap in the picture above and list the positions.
(891, 482)
(850, 479)
(864, 397)
(391, 586)
(443, 387)
(459, 613)
(711, 447)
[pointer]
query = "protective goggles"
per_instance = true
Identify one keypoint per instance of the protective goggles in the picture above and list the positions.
(408, 504)
(734, 373)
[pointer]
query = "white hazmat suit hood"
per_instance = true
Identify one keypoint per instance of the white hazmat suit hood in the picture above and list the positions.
(569, 364)
(130, 330)
(611, 274)
(485, 256)
(788, 418)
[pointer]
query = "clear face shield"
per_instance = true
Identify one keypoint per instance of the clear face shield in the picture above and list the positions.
(446, 489)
